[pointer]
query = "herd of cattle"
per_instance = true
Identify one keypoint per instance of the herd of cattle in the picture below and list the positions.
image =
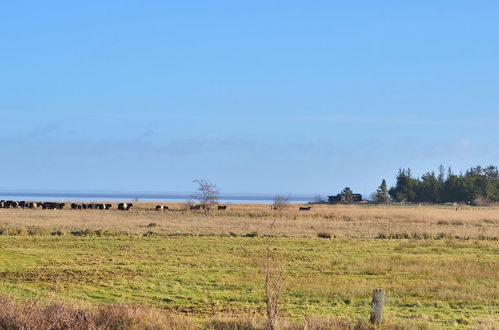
(59, 206)
(95, 206)
(82, 206)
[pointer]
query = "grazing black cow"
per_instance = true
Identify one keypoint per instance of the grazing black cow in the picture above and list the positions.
(125, 206)
(32, 205)
(75, 206)
(305, 208)
(53, 206)
(108, 206)
(222, 207)
(11, 204)
(22, 204)
(195, 207)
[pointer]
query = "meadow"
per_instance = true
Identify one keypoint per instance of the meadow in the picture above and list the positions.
(438, 265)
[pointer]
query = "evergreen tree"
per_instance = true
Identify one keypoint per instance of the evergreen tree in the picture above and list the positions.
(382, 193)
(477, 184)
(405, 189)
(347, 195)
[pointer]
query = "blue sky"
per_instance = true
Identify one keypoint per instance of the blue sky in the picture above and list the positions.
(259, 96)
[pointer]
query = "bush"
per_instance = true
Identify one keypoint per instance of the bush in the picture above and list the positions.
(36, 315)
(33, 230)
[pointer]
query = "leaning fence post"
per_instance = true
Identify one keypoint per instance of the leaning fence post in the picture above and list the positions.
(377, 306)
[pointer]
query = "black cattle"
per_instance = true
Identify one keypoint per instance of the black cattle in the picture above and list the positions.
(125, 206)
(22, 204)
(75, 206)
(53, 206)
(195, 207)
(93, 206)
(161, 207)
(222, 207)
(11, 204)
(108, 206)
(305, 208)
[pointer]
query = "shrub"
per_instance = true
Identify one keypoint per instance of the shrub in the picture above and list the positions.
(33, 230)
(35, 315)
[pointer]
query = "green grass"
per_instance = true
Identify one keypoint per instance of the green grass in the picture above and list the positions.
(441, 282)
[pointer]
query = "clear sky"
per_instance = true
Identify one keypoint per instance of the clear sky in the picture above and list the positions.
(298, 97)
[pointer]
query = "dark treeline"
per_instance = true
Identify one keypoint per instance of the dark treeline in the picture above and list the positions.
(477, 185)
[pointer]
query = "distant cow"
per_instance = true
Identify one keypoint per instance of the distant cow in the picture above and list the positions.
(161, 207)
(222, 207)
(195, 207)
(125, 206)
(305, 208)
(108, 206)
(53, 206)
(33, 205)
(11, 204)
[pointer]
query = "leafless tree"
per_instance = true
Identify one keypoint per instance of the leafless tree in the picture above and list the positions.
(319, 199)
(207, 194)
(280, 202)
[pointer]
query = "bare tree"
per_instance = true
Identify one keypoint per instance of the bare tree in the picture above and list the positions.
(319, 199)
(207, 196)
(280, 202)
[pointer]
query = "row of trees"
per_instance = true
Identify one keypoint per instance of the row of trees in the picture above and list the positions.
(477, 185)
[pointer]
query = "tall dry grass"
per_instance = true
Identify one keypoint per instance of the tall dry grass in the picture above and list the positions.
(240, 219)
(29, 315)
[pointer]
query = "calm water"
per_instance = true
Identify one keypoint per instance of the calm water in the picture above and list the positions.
(170, 197)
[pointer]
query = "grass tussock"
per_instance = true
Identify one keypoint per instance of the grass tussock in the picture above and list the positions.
(28, 315)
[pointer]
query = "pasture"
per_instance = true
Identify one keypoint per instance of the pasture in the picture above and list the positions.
(438, 265)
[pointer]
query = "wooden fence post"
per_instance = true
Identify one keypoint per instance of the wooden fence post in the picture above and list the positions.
(377, 306)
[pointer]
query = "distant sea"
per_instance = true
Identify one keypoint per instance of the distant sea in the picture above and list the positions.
(145, 197)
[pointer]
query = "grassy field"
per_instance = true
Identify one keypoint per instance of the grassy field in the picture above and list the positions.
(439, 266)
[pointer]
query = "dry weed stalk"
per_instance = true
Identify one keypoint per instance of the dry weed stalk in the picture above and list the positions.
(272, 282)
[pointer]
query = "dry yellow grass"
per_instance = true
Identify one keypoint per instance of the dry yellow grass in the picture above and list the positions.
(336, 220)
